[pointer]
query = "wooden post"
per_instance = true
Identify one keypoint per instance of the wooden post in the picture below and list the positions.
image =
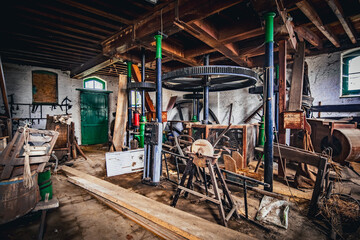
(296, 89)
(121, 117)
(282, 102)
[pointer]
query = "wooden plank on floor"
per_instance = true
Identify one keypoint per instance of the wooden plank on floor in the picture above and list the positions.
(159, 231)
(121, 116)
(180, 222)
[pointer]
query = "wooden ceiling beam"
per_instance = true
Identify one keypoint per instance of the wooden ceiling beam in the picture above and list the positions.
(96, 11)
(198, 51)
(20, 60)
(312, 15)
(80, 16)
(308, 35)
(36, 58)
(337, 9)
(175, 52)
(187, 11)
(206, 33)
(289, 27)
(65, 20)
(63, 27)
(52, 30)
(43, 54)
(20, 36)
(239, 33)
(57, 46)
(91, 66)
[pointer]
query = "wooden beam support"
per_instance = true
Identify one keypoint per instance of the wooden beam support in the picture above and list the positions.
(91, 66)
(198, 51)
(62, 19)
(297, 79)
(289, 27)
(282, 102)
(312, 15)
(121, 115)
(175, 52)
(310, 36)
(188, 11)
(79, 16)
(209, 35)
(337, 9)
(235, 34)
(96, 11)
(100, 62)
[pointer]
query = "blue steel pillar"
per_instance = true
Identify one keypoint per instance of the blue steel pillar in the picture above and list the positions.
(158, 79)
(206, 93)
(157, 156)
(268, 98)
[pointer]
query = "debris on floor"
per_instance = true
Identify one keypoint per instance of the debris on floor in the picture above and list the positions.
(274, 211)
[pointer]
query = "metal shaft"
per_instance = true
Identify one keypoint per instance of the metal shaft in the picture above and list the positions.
(158, 79)
(206, 92)
(143, 80)
(268, 98)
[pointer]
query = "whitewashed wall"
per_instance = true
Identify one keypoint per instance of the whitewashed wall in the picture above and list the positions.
(19, 82)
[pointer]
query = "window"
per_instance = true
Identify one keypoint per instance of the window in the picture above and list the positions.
(94, 83)
(136, 99)
(351, 74)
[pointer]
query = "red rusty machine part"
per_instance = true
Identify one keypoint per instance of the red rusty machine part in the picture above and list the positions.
(342, 137)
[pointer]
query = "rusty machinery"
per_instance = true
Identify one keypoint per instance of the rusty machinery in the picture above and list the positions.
(341, 136)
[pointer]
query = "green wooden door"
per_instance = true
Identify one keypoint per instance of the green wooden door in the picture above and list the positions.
(94, 117)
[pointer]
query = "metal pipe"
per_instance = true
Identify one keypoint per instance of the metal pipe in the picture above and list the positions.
(268, 98)
(206, 92)
(143, 80)
(158, 79)
(129, 103)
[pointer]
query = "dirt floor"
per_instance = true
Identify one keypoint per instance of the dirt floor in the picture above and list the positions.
(82, 217)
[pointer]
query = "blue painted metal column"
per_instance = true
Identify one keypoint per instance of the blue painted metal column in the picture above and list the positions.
(157, 154)
(268, 98)
(129, 103)
(206, 93)
(158, 79)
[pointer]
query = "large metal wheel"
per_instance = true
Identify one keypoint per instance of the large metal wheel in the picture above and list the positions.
(221, 78)
(140, 86)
